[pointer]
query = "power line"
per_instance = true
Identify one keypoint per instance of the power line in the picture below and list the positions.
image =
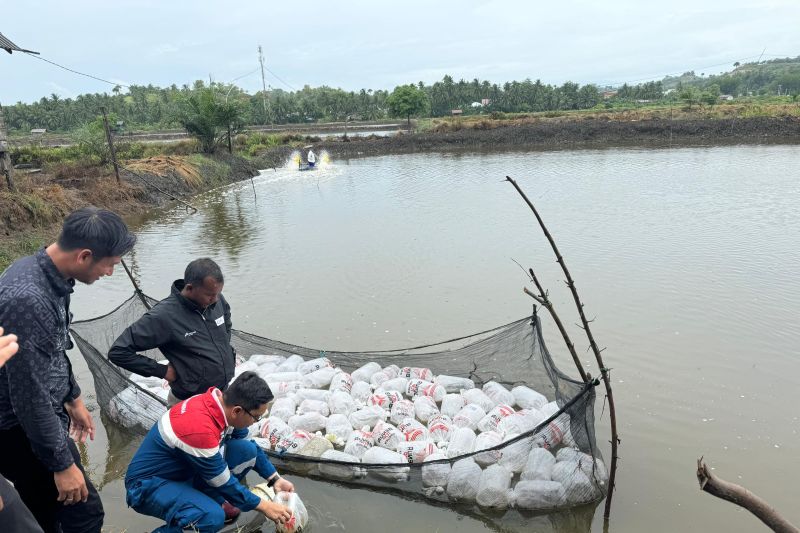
(280, 79)
(77, 72)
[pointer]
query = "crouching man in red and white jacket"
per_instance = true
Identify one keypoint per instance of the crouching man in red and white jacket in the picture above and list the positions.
(188, 468)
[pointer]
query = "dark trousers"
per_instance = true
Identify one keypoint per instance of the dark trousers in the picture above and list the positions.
(14, 516)
(38, 491)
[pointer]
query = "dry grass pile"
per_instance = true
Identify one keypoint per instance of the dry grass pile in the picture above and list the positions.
(169, 166)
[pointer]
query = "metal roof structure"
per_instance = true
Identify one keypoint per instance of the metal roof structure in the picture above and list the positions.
(9, 47)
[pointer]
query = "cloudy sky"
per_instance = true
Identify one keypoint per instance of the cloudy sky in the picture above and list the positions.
(373, 44)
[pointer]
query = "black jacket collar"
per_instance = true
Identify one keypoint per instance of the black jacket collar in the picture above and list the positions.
(177, 287)
(60, 284)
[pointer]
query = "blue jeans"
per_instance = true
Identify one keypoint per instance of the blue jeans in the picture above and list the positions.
(190, 502)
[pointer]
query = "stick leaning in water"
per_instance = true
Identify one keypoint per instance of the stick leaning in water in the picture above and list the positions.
(744, 498)
(603, 370)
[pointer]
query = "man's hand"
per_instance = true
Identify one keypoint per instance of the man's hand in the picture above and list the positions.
(170, 376)
(8, 347)
(274, 511)
(81, 423)
(283, 485)
(71, 485)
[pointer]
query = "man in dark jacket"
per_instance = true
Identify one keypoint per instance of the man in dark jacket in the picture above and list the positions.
(191, 327)
(40, 401)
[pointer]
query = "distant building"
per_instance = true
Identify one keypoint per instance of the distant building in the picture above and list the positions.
(485, 101)
(475, 105)
(38, 131)
(609, 94)
(726, 97)
(643, 101)
(456, 112)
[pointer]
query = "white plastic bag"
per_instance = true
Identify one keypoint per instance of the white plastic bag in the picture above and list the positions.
(535, 495)
(484, 441)
(310, 422)
(527, 398)
(401, 410)
(452, 404)
(384, 399)
(477, 396)
(312, 394)
(462, 484)
(494, 488)
(387, 436)
(273, 430)
(379, 377)
(313, 406)
(341, 403)
(435, 475)
(462, 441)
(420, 387)
(361, 391)
(412, 430)
(291, 363)
(492, 419)
(264, 359)
(299, 517)
(416, 451)
(284, 407)
(515, 455)
(359, 442)
(294, 441)
(469, 416)
(307, 367)
(520, 422)
(498, 393)
(425, 408)
(396, 384)
(366, 371)
(578, 488)
(341, 381)
(367, 416)
(418, 373)
(278, 377)
(339, 426)
(316, 447)
(439, 427)
(454, 383)
(539, 465)
(378, 455)
(553, 433)
(341, 472)
(281, 389)
(319, 378)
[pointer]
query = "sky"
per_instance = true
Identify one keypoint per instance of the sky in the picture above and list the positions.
(356, 44)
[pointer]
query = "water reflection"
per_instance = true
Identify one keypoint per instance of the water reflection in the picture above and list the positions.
(226, 227)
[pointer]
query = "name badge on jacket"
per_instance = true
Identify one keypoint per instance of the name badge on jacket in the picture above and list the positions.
(220, 320)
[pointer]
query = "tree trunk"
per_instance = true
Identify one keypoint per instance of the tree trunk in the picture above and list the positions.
(230, 144)
(742, 497)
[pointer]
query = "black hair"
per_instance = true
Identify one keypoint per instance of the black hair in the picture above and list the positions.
(101, 231)
(199, 269)
(248, 391)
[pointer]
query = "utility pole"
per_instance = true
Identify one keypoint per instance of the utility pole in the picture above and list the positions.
(5, 158)
(110, 143)
(263, 83)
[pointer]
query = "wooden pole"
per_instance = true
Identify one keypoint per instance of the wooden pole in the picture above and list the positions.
(110, 144)
(603, 370)
(5, 157)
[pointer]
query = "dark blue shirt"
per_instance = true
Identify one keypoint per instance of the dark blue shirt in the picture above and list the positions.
(35, 384)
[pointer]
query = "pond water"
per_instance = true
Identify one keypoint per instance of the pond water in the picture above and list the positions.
(687, 258)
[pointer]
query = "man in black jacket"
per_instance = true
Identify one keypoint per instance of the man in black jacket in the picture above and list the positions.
(40, 402)
(191, 327)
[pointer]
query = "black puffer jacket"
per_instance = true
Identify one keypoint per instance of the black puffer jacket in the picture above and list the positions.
(197, 342)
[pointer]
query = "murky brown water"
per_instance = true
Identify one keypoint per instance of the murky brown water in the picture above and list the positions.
(688, 257)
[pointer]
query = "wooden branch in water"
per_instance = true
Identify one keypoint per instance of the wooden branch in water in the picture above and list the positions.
(603, 370)
(742, 497)
(545, 302)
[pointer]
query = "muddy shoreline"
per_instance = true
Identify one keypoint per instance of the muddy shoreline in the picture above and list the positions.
(556, 135)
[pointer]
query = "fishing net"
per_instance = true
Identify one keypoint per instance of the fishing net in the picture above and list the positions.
(485, 423)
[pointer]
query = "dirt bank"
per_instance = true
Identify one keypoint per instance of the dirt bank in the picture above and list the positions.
(32, 214)
(587, 132)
